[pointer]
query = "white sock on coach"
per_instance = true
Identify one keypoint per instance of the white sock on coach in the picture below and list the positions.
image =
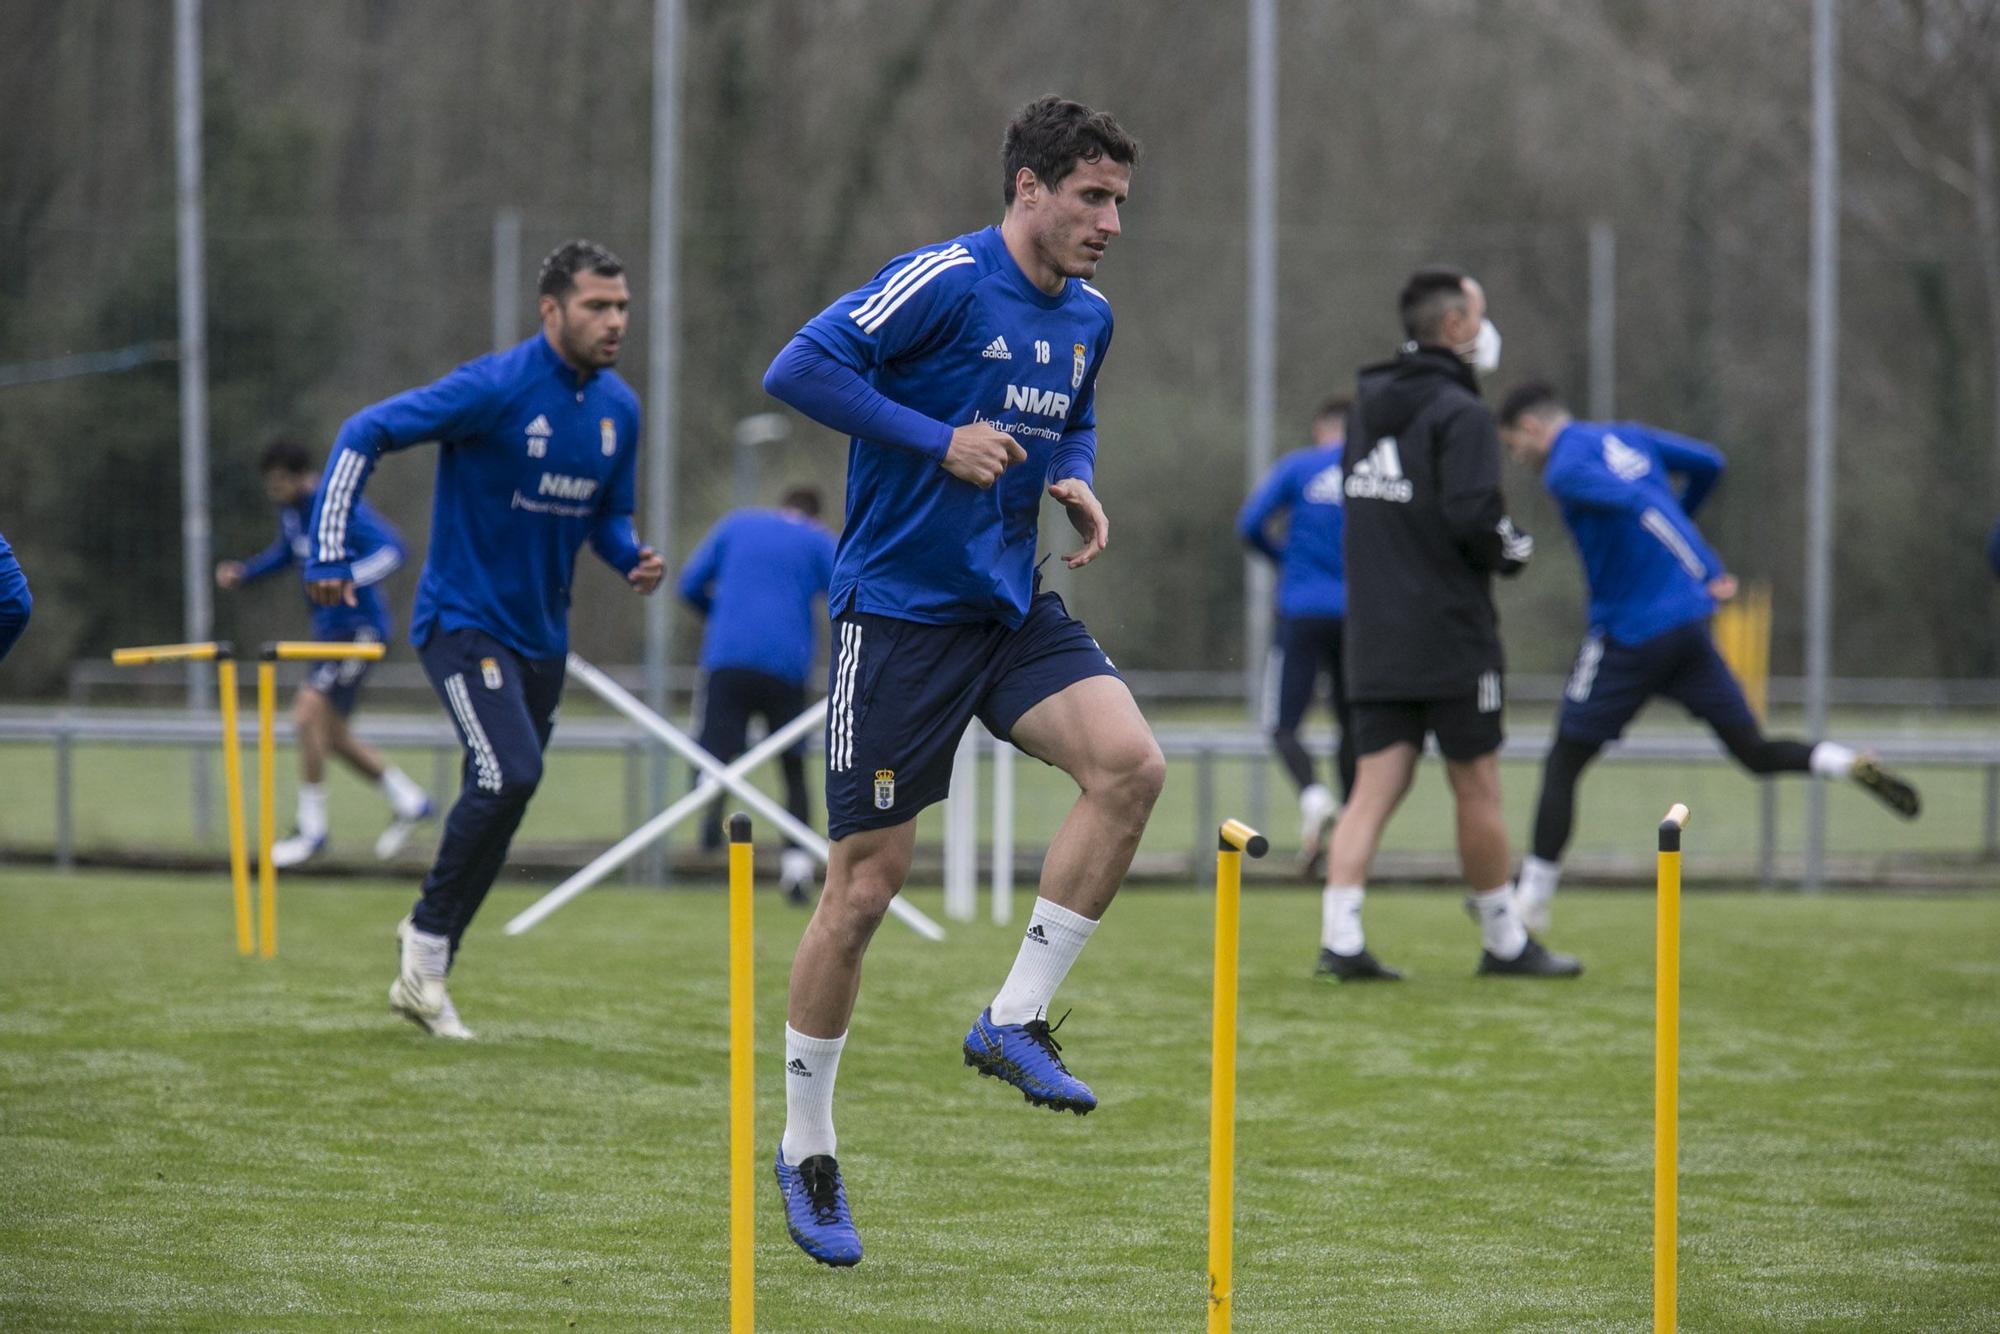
(1055, 936)
(810, 1067)
(1830, 759)
(312, 810)
(1340, 919)
(405, 797)
(1500, 928)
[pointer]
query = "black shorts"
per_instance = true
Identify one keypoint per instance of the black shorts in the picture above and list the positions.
(900, 693)
(1466, 727)
(340, 679)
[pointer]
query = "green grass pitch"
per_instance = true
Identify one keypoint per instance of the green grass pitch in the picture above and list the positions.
(193, 1141)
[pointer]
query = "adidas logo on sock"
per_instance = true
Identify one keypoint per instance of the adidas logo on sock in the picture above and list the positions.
(1036, 934)
(797, 1067)
(997, 351)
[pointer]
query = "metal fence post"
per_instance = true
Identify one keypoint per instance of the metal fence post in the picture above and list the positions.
(1204, 806)
(1767, 835)
(1992, 812)
(65, 798)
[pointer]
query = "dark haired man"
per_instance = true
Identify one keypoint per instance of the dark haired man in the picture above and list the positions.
(965, 374)
(756, 577)
(1312, 605)
(1427, 529)
(1654, 584)
(539, 452)
(326, 700)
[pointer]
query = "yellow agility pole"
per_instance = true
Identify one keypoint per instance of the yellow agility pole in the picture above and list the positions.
(307, 650)
(267, 804)
(742, 1085)
(1236, 838)
(232, 777)
(150, 653)
(1666, 1069)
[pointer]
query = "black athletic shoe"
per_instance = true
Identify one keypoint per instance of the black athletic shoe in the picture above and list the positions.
(1537, 960)
(1362, 967)
(1890, 789)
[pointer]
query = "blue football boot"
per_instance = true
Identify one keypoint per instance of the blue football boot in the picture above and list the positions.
(816, 1210)
(1025, 1056)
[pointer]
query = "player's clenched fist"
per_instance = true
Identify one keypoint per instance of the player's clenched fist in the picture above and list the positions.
(980, 453)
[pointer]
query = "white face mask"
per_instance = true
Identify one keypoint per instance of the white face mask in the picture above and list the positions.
(1483, 352)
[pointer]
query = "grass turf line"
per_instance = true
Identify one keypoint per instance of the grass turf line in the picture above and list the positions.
(192, 1141)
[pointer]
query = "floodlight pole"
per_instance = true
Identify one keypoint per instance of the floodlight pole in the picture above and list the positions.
(662, 361)
(1822, 390)
(1603, 319)
(506, 277)
(197, 542)
(1262, 341)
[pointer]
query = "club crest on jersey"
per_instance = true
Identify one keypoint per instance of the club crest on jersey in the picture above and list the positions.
(1076, 366)
(885, 789)
(607, 435)
(538, 434)
(489, 672)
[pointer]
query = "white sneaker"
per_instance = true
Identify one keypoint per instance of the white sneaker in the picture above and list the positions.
(1534, 910)
(296, 850)
(1317, 811)
(391, 840)
(795, 875)
(418, 992)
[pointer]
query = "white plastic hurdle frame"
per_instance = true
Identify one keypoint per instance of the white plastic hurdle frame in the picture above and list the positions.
(608, 690)
(961, 830)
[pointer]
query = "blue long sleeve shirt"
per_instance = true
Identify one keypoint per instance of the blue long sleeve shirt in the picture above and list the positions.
(1647, 565)
(1306, 484)
(378, 553)
(940, 338)
(756, 577)
(533, 462)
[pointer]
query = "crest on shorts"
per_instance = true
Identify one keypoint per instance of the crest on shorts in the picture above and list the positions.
(489, 672)
(1076, 366)
(885, 789)
(607, 434)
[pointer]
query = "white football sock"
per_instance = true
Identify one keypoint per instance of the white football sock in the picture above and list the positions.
(1830, 759)
(1500, 928)
(1316, 803)
(406, 798)
(1054, 938)
(1340, 919)
(1536, 891)
(312, 810)
(810, 1067)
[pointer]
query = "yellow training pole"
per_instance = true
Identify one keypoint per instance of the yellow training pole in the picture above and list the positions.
(1666, 1069)
(742, 1085)
(1236, 838)
(139, 657)
(232, 779)
(267, 803)
(310, 650)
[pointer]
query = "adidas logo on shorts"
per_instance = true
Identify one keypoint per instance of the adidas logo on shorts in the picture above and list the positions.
(997, 351)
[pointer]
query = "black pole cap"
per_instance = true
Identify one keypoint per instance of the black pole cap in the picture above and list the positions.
(739, 828)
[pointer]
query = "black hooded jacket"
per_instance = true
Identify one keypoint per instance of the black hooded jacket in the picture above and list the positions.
(1426, 531)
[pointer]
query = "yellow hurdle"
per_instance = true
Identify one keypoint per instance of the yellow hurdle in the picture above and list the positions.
(742, 1084)
(149, 653)
(232, 782)
(1666, 1070)
(1236, 838)
(1742, 633)
(306, 650)
(267, 807)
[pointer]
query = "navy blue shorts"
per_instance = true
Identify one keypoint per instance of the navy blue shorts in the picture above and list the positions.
(340, 680)
(900, 693)
(1611, 682)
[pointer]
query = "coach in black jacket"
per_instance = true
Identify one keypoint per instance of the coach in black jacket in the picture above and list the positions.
(1427, 529)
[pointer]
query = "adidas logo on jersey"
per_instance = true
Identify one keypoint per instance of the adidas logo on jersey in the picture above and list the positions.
(1630, 464)
(1380, 475)
(997, 351)
(1325, 487)
(538, 434)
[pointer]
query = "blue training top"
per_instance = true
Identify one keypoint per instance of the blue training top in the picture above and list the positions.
(533, 461)
(1312, 578)
(944, 337)
(378, 553)
(755, 576)
(1647, 564)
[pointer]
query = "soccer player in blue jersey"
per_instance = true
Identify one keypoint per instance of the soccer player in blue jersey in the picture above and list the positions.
(16, 604)
(756, 577)
(965, 374)
(1312, 606)
(538, 454)
(1654, 584)
(326, 701)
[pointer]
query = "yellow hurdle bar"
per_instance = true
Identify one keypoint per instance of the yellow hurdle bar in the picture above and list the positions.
(139, 657)
(1666, 1070)
(742, 1085)
(307, 650)
(232, 777)
(267, 804)
(1236, 838)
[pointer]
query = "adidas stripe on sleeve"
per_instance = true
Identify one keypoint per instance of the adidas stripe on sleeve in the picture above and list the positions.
(907, 308)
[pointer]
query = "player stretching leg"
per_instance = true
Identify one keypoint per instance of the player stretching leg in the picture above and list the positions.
(540, 450)
(1654, 583)
(964, 373)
